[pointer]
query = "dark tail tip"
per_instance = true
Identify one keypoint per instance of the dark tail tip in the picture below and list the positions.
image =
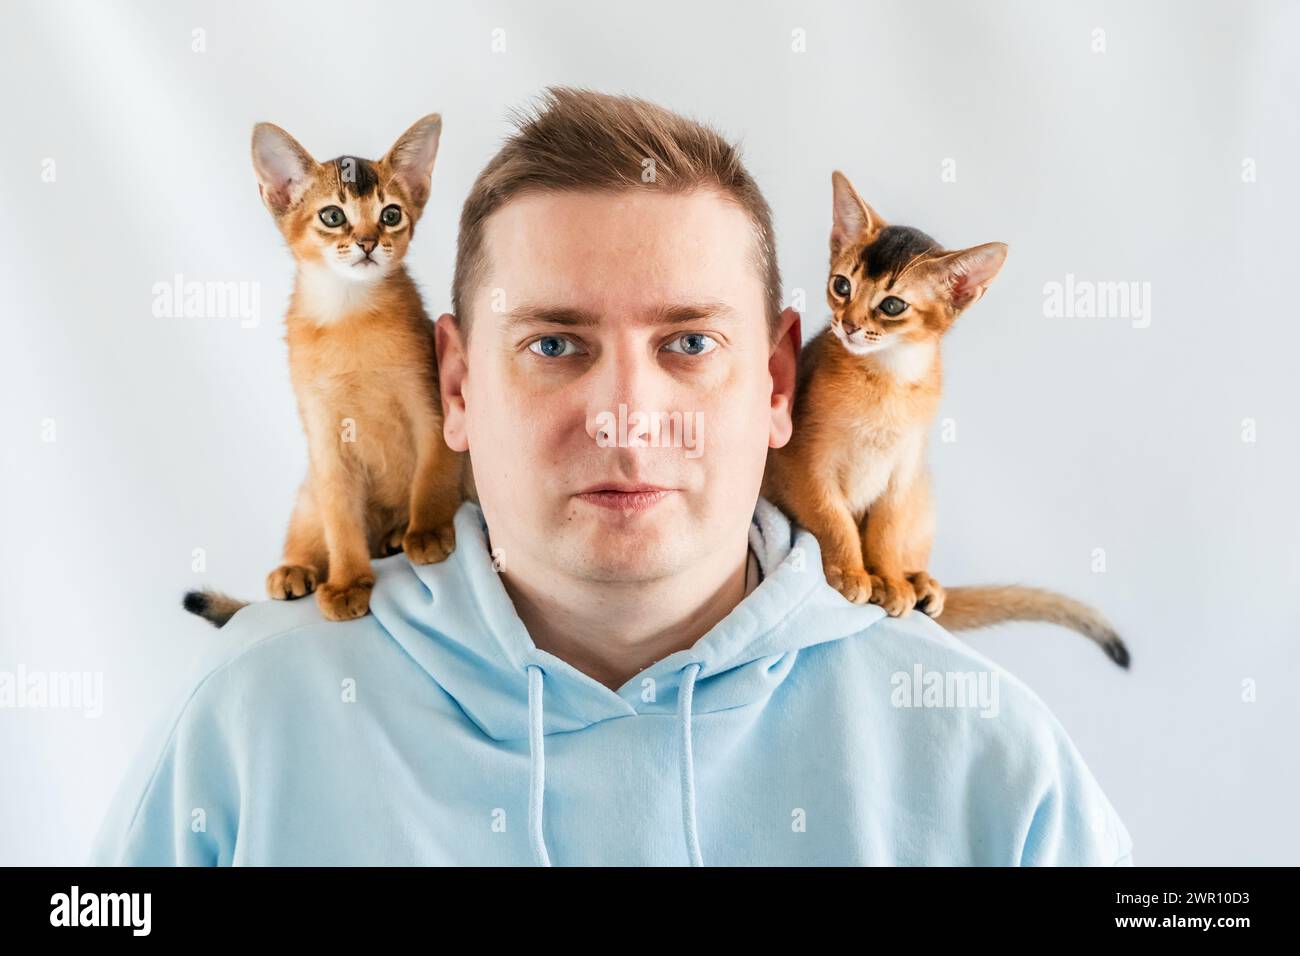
(1117, 652)
(196, 602)
(213, 606)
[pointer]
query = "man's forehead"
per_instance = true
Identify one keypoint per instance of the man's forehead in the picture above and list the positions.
(638, 255)
(631, 248)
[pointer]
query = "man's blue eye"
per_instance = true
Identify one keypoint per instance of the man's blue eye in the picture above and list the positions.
(551, 346)
(695, 344)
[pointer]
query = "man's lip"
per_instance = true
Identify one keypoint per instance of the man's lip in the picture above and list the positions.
(617, 488)
(639, 501)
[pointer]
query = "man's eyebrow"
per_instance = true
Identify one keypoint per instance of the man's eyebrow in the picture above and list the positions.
(675, 314)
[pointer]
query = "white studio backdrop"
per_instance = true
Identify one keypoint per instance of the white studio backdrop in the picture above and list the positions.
(1146, 461)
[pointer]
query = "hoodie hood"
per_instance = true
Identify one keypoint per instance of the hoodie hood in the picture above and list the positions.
(457, 621)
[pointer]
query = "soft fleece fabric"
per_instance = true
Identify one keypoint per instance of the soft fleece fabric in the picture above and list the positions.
(433, 731)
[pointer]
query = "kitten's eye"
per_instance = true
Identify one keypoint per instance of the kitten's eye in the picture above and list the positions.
(551, 346)
(892, 305)
(391, 216)
(841, 286)
(699, 344)
(333, 216)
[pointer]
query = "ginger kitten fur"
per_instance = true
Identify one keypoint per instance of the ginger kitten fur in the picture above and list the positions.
(364, 372)
(854, 472)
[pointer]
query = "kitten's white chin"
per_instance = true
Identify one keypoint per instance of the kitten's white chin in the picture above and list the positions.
(328, 293)
(905, 360)
(359, 271)
(859, 346)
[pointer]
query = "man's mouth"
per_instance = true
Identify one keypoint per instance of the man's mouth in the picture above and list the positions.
(624, 497)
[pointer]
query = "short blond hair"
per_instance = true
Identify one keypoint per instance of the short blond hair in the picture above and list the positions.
(581, 140)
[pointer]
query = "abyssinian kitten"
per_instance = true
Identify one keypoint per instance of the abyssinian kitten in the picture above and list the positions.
(854, 472)
(364, 372)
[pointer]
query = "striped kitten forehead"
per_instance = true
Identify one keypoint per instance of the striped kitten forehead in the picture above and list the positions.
(893, 250)
(355, 176)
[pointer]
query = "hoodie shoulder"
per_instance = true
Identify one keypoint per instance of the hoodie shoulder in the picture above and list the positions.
(980, 721)
(256, 666)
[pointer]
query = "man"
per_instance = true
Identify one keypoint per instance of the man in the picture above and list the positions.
(630, 658)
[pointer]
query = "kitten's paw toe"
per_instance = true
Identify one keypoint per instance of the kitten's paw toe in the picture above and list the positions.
(394, 543)
(854, 584)
(929, 593)
(895, 595)
(344, 602)
(430, 547)
(290, 581)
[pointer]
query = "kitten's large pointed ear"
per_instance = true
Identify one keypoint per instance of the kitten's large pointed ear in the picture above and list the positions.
(411, 158)
(854, 220)
(284, 169)
(963, 276)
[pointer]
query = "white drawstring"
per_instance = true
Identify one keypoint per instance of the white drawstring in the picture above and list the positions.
(537, 766)
(688, 766)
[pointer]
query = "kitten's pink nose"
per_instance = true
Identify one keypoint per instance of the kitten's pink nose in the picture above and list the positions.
(849, 327)
(367, 244)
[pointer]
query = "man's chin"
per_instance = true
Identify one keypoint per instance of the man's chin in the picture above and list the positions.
(624, 547)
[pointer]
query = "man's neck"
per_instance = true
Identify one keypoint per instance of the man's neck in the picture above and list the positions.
(612, 632)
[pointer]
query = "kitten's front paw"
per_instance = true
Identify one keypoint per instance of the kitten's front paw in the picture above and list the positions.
(895, 595)
(344, 602)
(929, 594)
(290, 581)
(853, 583)
(430, 547)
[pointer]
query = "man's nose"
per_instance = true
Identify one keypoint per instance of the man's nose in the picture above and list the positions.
(367, 243)
(626, 377)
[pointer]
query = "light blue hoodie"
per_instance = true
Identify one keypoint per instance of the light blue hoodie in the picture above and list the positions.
(801, 730)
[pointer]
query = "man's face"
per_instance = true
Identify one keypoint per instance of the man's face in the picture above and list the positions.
(602, 316)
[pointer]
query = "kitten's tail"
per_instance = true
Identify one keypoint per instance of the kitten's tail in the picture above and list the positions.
(212, 606)
(970, 607)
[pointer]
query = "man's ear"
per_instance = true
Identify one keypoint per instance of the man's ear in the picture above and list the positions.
(964, 276)
(783, 366)
(452, 368)
(284, 169)
(852, 219)
(411, 158)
